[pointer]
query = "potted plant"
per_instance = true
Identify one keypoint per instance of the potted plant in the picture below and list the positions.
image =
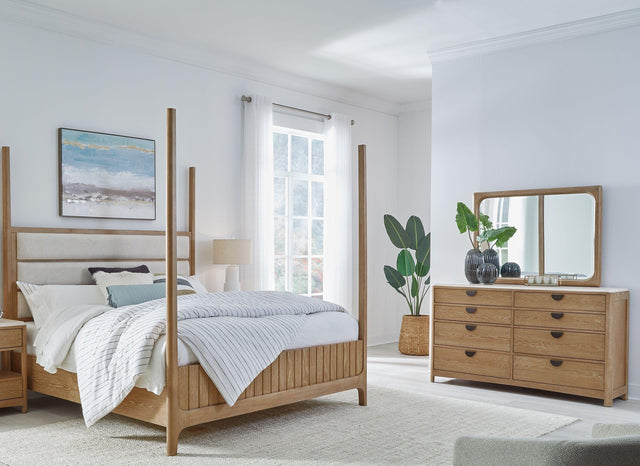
(467, 222)
(410, 278)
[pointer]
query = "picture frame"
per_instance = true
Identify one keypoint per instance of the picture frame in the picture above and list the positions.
(104, 175)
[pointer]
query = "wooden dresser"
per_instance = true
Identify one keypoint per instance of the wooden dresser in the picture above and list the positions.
(564, 339)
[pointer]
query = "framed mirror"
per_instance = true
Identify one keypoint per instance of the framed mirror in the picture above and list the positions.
(559, 231)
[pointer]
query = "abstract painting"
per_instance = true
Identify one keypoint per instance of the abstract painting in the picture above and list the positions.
(106, 176)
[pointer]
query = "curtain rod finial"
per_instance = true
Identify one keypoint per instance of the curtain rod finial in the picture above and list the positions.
(245, 98)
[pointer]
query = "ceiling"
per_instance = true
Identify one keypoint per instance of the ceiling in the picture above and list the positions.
(376, 47)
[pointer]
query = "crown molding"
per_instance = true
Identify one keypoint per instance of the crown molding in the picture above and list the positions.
(609, 22)
(417, 106)
(57, 21)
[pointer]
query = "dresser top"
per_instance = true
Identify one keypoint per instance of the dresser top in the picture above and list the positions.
(564, 289)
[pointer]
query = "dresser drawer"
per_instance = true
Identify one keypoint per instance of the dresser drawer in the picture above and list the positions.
(559, 343)
(10, 385)
(492, 315)
(10, 338)
(559, 372)
(471, 361)
(472, 335)
(472, 296)
(559, 300)
(559, 319)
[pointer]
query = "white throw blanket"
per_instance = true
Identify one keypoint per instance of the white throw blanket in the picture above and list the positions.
(235, 336)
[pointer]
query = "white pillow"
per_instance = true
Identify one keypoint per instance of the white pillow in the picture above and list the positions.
(104, 279)
(45, 300)
(197, 284)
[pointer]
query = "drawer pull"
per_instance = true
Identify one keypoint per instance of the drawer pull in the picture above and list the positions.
(557, 334)
(557, 297)
(470, 327)
(470, 354)
(555, 362)
(471, 310)
(471, 292)
(557, 315)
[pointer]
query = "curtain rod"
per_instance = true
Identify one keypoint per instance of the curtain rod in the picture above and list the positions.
(248, 99)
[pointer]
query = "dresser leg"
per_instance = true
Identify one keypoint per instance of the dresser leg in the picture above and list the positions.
(433, 378)
(608, 402)
(625, 396)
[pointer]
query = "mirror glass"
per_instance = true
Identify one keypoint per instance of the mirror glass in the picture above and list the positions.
(520, 212)
(568, 227)
(569, 233)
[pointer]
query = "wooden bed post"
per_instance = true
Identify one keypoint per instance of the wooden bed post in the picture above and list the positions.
(6, 245)
(192, 220)
(173, 413)
(362, 269)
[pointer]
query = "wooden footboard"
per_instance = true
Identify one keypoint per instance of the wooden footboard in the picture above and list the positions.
(292, 369)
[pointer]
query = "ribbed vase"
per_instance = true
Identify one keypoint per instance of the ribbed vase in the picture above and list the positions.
(471, 262)
(510, 269)
(414, 335)
(491, 257)
(487, 274)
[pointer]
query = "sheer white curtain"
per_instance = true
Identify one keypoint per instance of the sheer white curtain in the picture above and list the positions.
(339, 195)
(257, 192)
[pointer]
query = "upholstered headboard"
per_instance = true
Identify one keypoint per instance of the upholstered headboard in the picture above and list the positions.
(49, 256)
(44, 256)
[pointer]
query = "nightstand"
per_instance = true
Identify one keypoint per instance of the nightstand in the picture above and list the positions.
(13, 385)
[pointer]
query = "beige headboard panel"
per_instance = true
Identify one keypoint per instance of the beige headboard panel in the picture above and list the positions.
(45, 258)
(57, 246)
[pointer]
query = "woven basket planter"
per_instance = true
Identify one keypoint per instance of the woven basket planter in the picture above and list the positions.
(414, 335)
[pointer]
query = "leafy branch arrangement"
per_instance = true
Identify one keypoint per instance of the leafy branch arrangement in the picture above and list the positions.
(410, 278)
(493, 237)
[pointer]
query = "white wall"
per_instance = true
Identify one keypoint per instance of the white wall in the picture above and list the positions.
(48, 80)
(565, 113)
(414, 185)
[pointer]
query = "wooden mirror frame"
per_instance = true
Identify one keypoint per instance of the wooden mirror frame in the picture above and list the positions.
(595, 191)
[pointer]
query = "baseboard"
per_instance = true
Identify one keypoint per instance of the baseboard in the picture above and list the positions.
(374, 340)
(634, 391)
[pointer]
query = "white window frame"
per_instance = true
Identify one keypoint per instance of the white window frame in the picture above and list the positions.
(289, 177)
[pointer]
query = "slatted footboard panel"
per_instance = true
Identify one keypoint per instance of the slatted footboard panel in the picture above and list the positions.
(292, 369)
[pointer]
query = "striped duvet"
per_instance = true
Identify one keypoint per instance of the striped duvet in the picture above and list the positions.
(235, 336)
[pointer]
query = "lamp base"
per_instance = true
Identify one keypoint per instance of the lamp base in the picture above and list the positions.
(232, 278)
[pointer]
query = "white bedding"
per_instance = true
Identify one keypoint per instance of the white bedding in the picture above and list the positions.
(319, 329)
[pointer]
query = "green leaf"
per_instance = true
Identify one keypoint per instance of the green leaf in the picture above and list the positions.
(504, 235)
(485, 221)
(424, 249)
(397, 234)
(406, 265)
(414, 287)
(393, 277)
(465, 219)
(422, 270)
(415, 230)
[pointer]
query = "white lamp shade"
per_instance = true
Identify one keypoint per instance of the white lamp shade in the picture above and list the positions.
(232, 251)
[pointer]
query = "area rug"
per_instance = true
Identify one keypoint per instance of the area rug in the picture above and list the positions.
(396, 428)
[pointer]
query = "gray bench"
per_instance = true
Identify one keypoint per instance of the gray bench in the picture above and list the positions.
(613, 444)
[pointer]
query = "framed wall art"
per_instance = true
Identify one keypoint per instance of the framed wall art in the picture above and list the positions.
(106, 176)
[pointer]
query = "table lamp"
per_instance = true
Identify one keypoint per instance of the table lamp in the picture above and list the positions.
(232, 252)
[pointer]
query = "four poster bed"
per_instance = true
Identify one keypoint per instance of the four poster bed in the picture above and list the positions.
(62, 256)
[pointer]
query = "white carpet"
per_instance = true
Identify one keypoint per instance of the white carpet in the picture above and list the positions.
(396, 428)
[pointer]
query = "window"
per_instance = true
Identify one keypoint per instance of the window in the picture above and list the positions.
(298, 207)
(502, 221)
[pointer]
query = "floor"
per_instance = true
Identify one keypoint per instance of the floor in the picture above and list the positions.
(389, 368)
